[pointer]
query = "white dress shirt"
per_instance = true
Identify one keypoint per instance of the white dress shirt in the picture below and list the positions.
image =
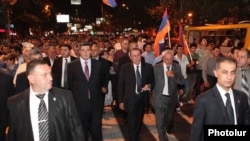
(135, 68)
(165, 89)
(224, 98)
(34, 105)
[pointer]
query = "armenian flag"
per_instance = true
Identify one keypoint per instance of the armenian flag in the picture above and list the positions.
(163, 30)
(111, 3)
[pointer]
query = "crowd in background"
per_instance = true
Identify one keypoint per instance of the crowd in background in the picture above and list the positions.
(189, 74)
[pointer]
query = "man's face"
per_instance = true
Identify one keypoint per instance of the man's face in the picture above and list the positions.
(192, 49)
(204, 42)
(242, 60)
(180, 50)
(95, 50)
(125, 44)
(226, 74)
(85, 52)
(235, 54)
(135, 56)
(40, 78)
(168, 59)
(216, 52)
(65, 52)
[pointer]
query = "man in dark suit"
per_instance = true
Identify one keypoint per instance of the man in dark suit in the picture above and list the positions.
(131, 94)
(210, 107)
(167, 78)
(60, 117)
(51, 55)
(85, 82)
(6, 90)
(58, 68)
(22, 82)
(95, 51)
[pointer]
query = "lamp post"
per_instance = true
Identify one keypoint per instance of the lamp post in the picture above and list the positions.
(9, 4)
(190, 18)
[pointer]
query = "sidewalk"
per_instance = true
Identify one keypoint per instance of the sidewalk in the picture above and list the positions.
(115, 130)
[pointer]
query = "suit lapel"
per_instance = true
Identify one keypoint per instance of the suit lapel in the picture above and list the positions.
(52, 100)
(26, 109)
(93, 69)
(219, 101)
(236, 103)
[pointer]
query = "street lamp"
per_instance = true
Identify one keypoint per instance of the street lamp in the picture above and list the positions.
(190, 14)
(9, 4)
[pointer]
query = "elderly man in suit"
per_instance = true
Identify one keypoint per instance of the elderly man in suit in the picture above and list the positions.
(6, 90)
(167, 77)
(242, 81)
(85, 81)
(43, 112)
(220, 105)
(135, 81)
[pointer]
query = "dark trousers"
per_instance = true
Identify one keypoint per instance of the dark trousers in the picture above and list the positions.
(2, 133)
(135, 119)
(199, 82)
(114, 82)
(92, 123)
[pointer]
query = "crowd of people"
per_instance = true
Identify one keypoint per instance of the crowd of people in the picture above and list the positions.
(74, 75)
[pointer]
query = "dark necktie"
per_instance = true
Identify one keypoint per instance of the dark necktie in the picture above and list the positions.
(86, 71)
(138, 80)
(65, 82)
(244, 84)
(168, 68)
(229, 109)
(43, 121)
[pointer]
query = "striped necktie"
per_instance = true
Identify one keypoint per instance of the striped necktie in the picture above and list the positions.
(244, 84)
(43, 122)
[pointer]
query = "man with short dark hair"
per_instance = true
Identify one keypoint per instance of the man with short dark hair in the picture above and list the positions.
(220, 105)
(43, 112)
(59, 68)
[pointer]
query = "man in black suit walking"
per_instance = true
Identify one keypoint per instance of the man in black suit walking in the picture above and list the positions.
(210, 107)
(59, 67)
(85, 82)
(136, 79)
(6, 90)
(53, 117)
(95, 51)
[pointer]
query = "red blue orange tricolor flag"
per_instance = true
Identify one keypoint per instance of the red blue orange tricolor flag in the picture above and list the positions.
(111, 3)
(163, 30)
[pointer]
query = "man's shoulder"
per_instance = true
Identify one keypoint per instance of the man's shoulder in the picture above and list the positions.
(18, 97)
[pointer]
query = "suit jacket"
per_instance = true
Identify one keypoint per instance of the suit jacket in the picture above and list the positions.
(158, 100)
(237, 83)
(57, 71)
(22, 82)
(64, 122)
(105, 71)
(80, 86)
(127, 84)
(209, 109)
(47, 60)
(6, 90)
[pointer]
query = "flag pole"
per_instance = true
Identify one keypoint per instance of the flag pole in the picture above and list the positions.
(169, 40)
(102, 8)
(185, 42)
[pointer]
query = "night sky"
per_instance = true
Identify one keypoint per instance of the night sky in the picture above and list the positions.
(87, 9)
